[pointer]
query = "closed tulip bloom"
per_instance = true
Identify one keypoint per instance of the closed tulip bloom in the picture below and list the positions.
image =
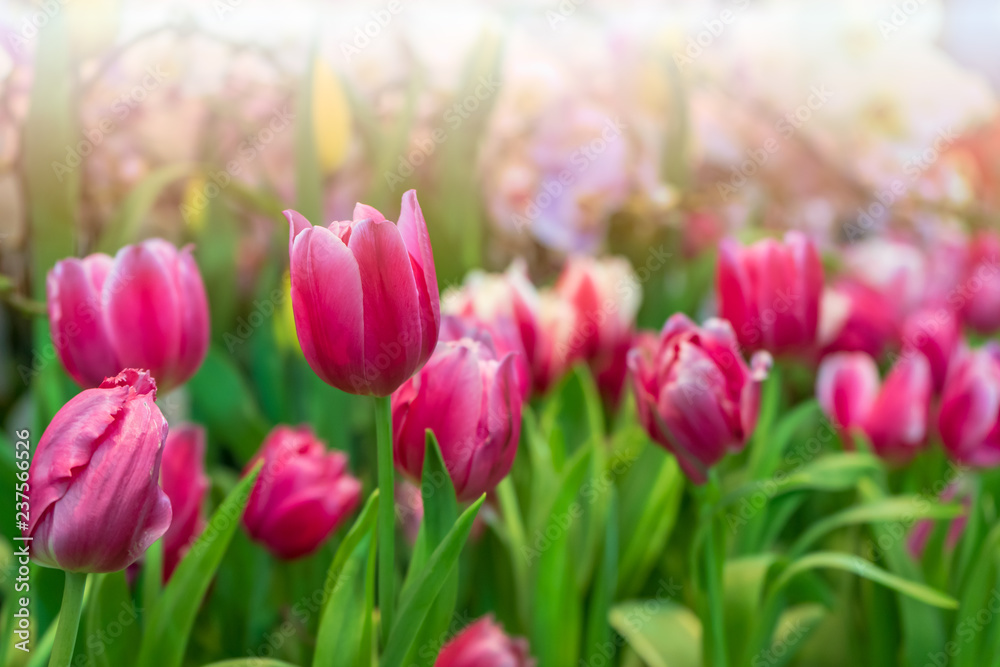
(95, 502)
(146, 308)
(484, 644)
(969, 419)
(303, 494)
(935, 333)
(847, 385)
(770, 292)
(470, 400)
(695, 394)
(855, 318)
(898, 419)
(365, 297)
(501, 335)
(183, 479)
(979, 294)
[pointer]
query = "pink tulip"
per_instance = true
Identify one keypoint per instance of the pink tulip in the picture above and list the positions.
(183, 479)
(934, 332)
(95, 502)
(146, 308)
(501, 335)
(855, 318)
(694, 393)
(846, 386)
(969, 419)
(303, 494)
(365, 297)
(770, 292)
(916, 541)
(979, 294)
(469, 398)
(484, 644)
(555, 349)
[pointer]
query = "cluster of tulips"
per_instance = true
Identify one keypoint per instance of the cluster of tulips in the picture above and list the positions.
(453, 380)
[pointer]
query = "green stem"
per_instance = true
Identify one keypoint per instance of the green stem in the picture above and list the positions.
(507, 496)
(714, 621)
(69, 619)
(386, 515)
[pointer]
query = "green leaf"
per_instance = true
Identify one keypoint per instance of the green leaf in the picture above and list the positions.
(661, 632)
(556, 601)
(346, 608)
(416, 601)
(795, 627)
(834, 472)
(251, 662)
(169, 625)
(134, 210)
(976, 594)
(598, 636)
(744, 582)
(110, 605)
(440, 514)
(152, 574)
(866, 569)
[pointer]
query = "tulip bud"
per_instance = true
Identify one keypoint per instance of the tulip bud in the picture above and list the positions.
(365, 297)
(555, 351)
(303, 494)
(898, 418)
(979, 294)
(501, 335)
(95, 502)
(935, 333)
(484, 644)
(770, 292)
(969, 419)
(183, 479)
(471, 402)
(855, 318)
(846, 386)
(146, 308)
(694, 393)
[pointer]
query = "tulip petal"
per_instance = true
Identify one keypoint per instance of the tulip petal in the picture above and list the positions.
(413, 229)
(297, 224)
(194, 318)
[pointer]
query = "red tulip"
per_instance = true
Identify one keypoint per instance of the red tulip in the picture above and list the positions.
(469, 398)
(95, 502)
(365, 297)
(303, 494)
(969, 420)
(846, 386)
(979, 294)
(484, 644)
(183, 479)
(770, 292)
(855, 318)
(935, 333)
(146, 308)
(694, 393)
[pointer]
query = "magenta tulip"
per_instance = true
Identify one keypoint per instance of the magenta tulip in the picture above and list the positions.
(846, 386)
(695, 394)
(770, 292)
(935, 333)
(484, 644)
(855, 318)
(95, 502)
(146, 308)
(303, 494)
(365, 297)
(183, 479)
(501, 335)
(969, 419)
(979, 293)
(469, 398)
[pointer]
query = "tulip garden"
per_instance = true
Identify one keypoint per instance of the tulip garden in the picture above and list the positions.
(499, 335)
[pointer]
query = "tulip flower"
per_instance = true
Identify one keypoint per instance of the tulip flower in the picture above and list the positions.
(894, 416)
(895, 268)
(935, 333)
(470, 400)
(695, 394)
(855, 318)
(484, 644)
(365, 297)
(770, 292)
(183, 479)
(146, 308)
(501, 335)
(979, 293)
(303, 494)
(969, 418)
(916, 541)
(95, 502)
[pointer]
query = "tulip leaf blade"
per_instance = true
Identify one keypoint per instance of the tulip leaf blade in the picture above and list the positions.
(251, 662)
(416, 601)
(170, 621)
(598, 635)
(440, 513)
(110, 602)
(662, 633)
(833, 472)
(347, 607)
